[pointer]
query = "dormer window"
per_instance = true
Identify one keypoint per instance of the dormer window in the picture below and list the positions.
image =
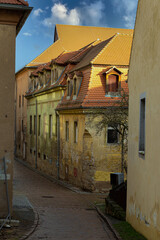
(75, 86)
(112, 84)
(54, 75)
(68, 88)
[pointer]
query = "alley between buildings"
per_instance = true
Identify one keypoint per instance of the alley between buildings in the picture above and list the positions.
(63, 214)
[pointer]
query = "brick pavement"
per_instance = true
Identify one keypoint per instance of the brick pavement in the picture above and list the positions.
(63, 214)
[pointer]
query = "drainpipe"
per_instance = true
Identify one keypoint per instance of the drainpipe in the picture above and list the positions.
(36, 137)
(15, 120)
(58, 144)
(35, 133)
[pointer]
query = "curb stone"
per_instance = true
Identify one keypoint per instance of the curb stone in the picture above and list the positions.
(34, 226)
(105, 218)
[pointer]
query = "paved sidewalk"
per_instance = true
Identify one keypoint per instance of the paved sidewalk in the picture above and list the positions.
(63, 214)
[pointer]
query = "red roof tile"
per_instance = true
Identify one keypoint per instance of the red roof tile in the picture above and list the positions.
(14, 2)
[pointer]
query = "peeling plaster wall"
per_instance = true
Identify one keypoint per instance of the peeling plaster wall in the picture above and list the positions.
(143, 195)
(91, 156)
(7, 97)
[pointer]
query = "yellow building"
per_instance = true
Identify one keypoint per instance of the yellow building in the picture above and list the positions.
(62, 42)
(87, 159)
(143, 195)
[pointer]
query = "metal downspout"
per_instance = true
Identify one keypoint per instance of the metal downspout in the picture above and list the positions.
(58, 144)
(36, 137)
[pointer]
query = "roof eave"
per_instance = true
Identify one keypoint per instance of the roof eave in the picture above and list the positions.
(23, 8)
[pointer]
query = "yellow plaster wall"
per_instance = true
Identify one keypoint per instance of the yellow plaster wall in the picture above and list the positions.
(46, 105)
(143, 195)
(102, 158)
(22, 83)
(7, 116)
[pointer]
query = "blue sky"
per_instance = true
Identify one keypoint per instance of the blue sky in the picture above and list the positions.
(38, 32)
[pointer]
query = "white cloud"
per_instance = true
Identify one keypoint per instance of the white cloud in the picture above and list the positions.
(90, 14)
(27, 34)
(37, 12)
(93, 13)
(128, 7)
(60, 14)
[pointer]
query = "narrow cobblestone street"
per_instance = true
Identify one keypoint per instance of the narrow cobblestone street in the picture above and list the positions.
(63, 214)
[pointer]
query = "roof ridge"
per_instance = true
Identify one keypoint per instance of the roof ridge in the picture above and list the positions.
(113, 38)
(128, 34)
(80, 26)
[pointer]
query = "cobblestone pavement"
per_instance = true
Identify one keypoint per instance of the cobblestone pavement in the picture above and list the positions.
(63, 214)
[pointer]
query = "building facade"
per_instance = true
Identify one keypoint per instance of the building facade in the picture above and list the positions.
(143, 196)
(12, 17)
(62, 43)
(88, 158)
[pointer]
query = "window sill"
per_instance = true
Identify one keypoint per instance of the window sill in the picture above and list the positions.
(112, 95)
(74, 97)
(110, 144)
(142, 153)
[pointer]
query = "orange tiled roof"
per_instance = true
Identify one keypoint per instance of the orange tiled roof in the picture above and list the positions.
(114, 51)
(90, 97)
(70, 39)
(61, 82)
(14, 2)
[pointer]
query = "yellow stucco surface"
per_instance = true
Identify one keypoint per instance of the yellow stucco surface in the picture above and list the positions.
(46, 145)
(143, 195)
(93, 158)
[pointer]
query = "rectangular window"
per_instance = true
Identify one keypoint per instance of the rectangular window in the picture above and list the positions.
(68, 88)
(39, 125)
(67, 131)
(22, 100)
(30, 124)
(112, 135)
(142, 126)
(19, 101)
(75, 132)
(34, 124)
(112, 85)
(22, 126)
(50, 126)
(75, 86)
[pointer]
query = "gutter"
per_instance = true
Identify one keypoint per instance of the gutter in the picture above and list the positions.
(20, 70)
(21, 8)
